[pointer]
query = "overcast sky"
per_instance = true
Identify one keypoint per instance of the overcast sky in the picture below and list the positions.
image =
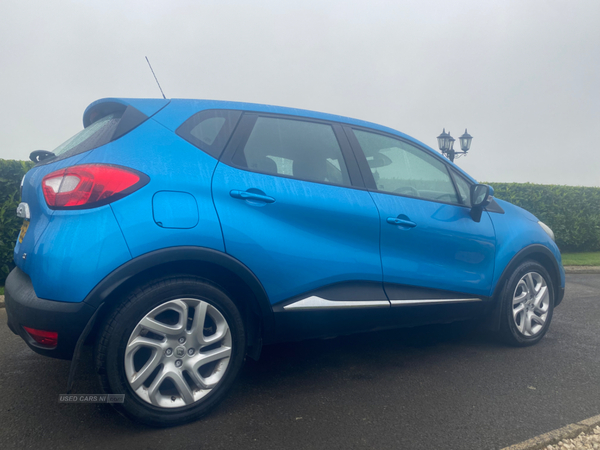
(523, 76)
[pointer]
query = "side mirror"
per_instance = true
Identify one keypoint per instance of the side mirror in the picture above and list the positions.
(481, 196)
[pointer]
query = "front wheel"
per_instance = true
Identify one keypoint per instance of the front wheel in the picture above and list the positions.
(527, 305)
(173, 348)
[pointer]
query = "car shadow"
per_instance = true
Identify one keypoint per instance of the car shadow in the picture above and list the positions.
(289, 369)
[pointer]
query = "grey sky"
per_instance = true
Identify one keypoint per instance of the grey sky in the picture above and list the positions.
(523, 76)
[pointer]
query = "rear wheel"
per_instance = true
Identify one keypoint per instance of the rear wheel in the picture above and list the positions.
(173, 348)
(528, 305)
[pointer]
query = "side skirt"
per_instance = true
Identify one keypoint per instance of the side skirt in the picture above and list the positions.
(338, 310)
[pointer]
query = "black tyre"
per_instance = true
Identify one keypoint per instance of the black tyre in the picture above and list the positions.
(527, 305)
(174, 348)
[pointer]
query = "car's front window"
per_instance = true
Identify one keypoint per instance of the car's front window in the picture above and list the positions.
(401, 168)
(464, 189)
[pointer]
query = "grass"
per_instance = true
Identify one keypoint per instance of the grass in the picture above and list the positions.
(581, 259)
(1, 290)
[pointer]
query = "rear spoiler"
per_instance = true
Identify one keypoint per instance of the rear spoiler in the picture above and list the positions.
(134, 107)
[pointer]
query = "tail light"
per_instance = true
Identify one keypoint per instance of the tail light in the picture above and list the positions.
(90, 185)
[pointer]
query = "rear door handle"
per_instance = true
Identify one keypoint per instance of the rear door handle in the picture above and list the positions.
(401, 222)
(246, 195)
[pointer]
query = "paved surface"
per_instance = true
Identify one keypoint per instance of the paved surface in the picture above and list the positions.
(442, 387)
(582, 269)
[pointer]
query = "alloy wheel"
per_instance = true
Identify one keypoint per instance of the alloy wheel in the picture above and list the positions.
(531, 303)
(178, 353)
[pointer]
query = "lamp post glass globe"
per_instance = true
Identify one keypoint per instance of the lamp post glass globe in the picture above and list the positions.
(465, 141)
(444, 141)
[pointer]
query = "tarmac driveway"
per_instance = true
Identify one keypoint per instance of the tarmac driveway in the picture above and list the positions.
(432, 387)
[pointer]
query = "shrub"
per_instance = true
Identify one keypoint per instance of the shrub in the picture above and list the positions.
(573, 212)
(11, 173)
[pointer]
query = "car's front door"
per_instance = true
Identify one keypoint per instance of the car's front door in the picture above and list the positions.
(431, 248)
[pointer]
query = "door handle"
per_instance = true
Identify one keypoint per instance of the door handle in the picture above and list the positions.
(401, 222)
(245, 195)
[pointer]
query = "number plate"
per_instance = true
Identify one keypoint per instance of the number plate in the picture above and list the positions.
(24, 228)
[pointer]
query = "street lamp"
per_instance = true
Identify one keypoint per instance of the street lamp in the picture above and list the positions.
(465, 141)
(446, 144)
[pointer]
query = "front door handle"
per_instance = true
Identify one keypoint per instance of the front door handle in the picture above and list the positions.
(249, 195)
(401, 222)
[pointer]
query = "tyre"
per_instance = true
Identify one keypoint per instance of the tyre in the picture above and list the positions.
(527, 305)
(174, 348)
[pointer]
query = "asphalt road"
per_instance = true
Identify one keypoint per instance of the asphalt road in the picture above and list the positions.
(440, 387)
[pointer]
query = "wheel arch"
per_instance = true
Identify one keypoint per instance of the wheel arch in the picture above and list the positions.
(535, 252)
(228, 273)
(538, 253)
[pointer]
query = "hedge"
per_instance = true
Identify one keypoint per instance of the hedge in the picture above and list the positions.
(11, 173)
(573, 212)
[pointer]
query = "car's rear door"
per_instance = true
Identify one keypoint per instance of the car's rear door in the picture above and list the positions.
(432, 251)
(293, 209)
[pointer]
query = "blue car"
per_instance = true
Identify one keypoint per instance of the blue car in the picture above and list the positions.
(180, 236)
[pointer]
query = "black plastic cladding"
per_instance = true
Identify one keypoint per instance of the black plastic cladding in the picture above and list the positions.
(521, 256)
(142, 263)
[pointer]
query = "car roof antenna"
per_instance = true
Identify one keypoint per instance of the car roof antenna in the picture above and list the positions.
(161, 91)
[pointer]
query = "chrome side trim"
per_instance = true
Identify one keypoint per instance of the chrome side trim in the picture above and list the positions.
(433, 301)
(315, 302)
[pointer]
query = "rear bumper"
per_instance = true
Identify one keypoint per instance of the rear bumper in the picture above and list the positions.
(24, 308)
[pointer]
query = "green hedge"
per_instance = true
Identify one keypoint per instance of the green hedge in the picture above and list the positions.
(573, 212)
(11, 173)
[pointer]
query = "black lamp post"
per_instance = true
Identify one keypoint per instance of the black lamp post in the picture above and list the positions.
(446, 144)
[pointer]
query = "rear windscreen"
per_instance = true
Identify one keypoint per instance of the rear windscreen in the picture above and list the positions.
(95, 135)
(110, 122)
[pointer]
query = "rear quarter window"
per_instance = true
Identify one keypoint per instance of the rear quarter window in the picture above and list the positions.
(209, 130)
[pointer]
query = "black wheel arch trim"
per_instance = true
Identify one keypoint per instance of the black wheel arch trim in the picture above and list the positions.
(147, 261)
(512, 265)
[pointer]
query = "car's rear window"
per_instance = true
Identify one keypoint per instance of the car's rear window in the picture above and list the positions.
(95, 135)
(300, 149)
(109, 121)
